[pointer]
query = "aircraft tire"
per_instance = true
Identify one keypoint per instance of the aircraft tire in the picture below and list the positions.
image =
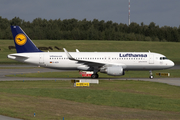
(93, 76)
(151, 76)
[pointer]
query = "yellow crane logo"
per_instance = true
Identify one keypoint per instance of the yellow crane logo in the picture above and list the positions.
(20, 39)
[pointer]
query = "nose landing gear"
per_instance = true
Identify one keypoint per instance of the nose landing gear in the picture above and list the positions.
(151, 75)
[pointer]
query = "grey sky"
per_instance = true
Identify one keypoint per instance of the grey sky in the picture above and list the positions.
(161, 12)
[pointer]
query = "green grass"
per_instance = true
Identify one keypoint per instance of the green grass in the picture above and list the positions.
(107, 100)
(174, 73)
(169, 49)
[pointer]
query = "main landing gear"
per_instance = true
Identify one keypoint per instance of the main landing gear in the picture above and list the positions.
(93, 76)
(151, 75)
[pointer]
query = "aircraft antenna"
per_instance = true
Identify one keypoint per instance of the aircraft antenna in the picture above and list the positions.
(129, 15)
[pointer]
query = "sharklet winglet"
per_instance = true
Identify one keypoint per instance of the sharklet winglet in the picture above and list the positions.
(68, 55)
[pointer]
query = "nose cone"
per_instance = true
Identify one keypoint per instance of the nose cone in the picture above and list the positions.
(170, 63)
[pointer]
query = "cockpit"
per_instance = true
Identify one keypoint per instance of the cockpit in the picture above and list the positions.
(163, 58)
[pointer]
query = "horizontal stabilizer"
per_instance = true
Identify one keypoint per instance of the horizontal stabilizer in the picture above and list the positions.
(17, 55)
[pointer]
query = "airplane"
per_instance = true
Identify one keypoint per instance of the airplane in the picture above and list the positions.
(111, 63)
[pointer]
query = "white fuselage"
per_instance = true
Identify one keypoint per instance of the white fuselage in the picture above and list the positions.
(128, 60)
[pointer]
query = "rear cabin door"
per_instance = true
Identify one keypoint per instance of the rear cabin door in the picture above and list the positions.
(41, 59)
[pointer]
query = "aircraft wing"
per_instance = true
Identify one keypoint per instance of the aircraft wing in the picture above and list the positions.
(90, 63)
(87, 62)
(84, 62)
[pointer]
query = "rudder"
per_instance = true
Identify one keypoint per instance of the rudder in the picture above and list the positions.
(22, 42)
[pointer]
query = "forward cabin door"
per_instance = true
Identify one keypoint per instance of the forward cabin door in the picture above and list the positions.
(151, 59)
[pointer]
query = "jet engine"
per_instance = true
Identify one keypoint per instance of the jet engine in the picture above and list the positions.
(113, 70)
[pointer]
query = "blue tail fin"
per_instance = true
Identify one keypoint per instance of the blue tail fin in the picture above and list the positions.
(22, 42)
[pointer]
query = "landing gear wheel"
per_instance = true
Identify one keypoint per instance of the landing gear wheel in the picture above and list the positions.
(151, 77)
(93, 76)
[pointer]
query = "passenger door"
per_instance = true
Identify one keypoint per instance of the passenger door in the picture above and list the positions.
(41, 59)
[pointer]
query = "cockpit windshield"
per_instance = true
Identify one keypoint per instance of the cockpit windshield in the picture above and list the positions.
(163, 58)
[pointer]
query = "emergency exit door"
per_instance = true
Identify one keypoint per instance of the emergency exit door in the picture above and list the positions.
(151, 59)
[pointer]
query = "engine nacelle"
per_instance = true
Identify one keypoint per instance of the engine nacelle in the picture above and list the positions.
(113, 70)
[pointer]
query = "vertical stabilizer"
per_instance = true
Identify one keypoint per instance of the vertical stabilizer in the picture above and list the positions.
(22, 42)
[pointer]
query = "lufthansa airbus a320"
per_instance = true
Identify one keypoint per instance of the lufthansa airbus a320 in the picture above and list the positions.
(111, 63)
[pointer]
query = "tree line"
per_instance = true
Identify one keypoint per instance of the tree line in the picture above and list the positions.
(73, 29)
